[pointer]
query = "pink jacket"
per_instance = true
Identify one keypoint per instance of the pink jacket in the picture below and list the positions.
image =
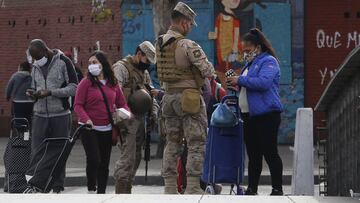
(89, 103)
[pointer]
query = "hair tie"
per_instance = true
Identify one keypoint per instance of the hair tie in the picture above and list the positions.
(255, 34)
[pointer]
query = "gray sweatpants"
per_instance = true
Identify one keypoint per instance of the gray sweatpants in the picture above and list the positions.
(43, 127)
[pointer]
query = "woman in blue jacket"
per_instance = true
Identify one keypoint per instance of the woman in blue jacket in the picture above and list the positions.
(260, 106)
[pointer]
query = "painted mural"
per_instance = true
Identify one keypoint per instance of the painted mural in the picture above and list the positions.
(227, 36)
(233, 18)
(221, 25)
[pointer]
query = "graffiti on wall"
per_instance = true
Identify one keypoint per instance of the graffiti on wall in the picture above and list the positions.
(331, 35)
(334, 40)
(337, 39)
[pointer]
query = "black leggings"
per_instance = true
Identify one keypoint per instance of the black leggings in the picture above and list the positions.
(260, 135)
(97, 147)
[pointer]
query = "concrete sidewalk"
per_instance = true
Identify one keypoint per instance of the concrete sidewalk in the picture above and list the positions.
(76, 176)
(152, 198)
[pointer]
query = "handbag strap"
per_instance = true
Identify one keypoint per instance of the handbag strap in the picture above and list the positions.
(106, 103)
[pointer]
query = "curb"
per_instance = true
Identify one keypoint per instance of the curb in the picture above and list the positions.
(158, 180)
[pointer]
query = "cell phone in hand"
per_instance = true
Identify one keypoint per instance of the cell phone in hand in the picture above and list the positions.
(230, 73)
(30, 92)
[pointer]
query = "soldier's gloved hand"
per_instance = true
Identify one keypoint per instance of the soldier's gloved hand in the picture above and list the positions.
(155, 92)
(116, 119)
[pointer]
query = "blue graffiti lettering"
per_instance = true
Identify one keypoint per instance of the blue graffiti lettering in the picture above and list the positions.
(129, 27)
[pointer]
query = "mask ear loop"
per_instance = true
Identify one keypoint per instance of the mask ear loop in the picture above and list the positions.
(101, 68)
(255, 52)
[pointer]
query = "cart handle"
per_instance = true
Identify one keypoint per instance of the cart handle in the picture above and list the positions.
(19, 120)
(77, 131)
(229, 97)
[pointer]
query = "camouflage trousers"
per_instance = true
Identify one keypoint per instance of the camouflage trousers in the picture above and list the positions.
(130, 151)
(179, 125)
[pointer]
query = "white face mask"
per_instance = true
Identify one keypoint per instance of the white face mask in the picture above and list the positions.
(41, 62)
(248, 57)
(94, 69)
(29, 59)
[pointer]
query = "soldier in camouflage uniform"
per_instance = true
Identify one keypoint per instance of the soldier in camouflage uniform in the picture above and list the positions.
(182, 67)
(132, 74)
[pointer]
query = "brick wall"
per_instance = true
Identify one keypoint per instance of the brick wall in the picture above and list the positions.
(62, 24)
(332, 30)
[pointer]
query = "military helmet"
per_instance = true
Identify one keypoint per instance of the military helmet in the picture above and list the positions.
(140, 102)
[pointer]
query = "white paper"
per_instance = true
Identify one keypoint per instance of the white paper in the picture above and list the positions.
(123, 113)
(26, 136)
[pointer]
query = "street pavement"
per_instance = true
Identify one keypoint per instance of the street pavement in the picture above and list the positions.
(155, 198)
(154, 189)
(76, 176)
(153, 194)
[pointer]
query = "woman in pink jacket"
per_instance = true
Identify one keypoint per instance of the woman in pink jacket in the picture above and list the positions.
(91, 109)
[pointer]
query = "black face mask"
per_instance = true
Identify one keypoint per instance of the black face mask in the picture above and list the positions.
(143, 66)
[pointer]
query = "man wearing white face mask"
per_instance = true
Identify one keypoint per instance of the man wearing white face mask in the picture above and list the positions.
(53, 82)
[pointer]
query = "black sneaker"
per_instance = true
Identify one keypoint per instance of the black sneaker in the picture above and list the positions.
(57, 190)
(276, 192)
(249, 191)
(218, 189)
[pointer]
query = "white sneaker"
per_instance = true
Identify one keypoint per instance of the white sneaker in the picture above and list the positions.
(91, 192)
(30, 190)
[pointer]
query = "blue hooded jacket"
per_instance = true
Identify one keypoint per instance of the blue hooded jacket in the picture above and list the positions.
(262, 85)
